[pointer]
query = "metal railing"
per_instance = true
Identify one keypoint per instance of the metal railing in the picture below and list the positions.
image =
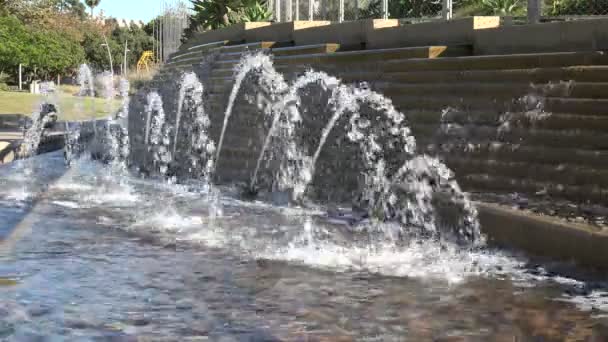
(345, 10)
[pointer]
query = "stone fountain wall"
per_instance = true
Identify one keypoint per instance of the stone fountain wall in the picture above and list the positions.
(526, 129)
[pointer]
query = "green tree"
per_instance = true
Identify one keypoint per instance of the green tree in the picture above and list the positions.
(138, 42)
(214, 14)
(96, 54)
(403, 9)
(74, 7)
(16, 41)
(256, 11)
(44, 52)
(92, 4)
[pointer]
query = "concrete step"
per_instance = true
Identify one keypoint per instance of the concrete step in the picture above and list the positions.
(200, 48)
(592, 73)
(489, 183)
(564, 174)
(228, 71)
(464, 89)
(183, 62)
(477, 134)
(583, 106)
(496, 150)
(524, 120)
(497, 62)
(591, 90)
(241, 48)
(361, 56)
(305, 49)
(406, 103)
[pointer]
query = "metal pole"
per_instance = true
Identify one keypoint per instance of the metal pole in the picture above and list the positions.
(20, 77)
(125, 59)
(297, 9)
(311, 10)
(277, 11)
(288, 10)
(384, 9)
(534, 11)
(109, 54)
(340, 11)
(356, 9)
(447, 9)
(162, 33)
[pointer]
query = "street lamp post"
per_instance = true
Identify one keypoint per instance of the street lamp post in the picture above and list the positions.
(125, 59)
(109, 54)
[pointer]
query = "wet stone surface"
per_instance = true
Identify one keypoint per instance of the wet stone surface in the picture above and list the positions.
(92, 255)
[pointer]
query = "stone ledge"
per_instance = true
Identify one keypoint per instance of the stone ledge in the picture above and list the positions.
(281, 32)
(579, 35)
(453, 32)
(234, 33)
(350, 34)
(544, 236)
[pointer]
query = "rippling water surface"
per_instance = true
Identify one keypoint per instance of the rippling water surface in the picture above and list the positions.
(87, 254)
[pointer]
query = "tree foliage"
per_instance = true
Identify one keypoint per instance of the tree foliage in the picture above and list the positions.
(214, 14)
(576, 7)
(92, 4)
(403, 9)
(45, 53)
(51, 37)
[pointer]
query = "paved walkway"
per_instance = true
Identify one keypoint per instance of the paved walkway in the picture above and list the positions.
(9, 140)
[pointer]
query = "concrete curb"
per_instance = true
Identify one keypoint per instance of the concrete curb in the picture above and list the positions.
(544, 236)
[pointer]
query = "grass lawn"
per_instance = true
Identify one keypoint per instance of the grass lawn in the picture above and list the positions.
(71, 107)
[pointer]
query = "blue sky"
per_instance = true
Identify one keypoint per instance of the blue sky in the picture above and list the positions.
(130, 9)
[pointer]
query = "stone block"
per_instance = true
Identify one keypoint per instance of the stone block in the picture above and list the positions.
(280, 32)
(544, 236)
(234, 33)
(452, 32)
(350, 34)
(568, 36)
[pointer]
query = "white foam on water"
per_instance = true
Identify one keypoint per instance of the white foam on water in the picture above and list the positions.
(116, 198)
(421, 259)
(596, 300)
(20, 194)
(70, 185)
(67, 204)
(168, 220)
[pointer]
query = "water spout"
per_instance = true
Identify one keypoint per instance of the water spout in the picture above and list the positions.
(272, 80)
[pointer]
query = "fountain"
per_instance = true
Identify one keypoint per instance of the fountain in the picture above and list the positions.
(157, 133)
(389, 192)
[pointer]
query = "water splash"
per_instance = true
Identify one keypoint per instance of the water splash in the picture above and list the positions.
(40, 119)
(202, 147)
(157, 132)
(271, 80)
(86, 81)
(295, 172)
(389, 192)
(117, 130)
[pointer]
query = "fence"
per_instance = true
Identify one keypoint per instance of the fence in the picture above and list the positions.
(343, 10)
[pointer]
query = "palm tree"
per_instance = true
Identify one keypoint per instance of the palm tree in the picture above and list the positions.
(92, 4)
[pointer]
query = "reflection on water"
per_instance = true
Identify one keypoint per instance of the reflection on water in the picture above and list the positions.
(86, 254)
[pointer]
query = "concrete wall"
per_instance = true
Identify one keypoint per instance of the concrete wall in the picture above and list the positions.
(280, 32)
(348, 34)
(485, 34)
(234, 33)
(453, 32)
(580, 35)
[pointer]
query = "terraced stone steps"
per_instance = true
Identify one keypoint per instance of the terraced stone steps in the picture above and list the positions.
(485, 183)
(200, 48)
(566, 175)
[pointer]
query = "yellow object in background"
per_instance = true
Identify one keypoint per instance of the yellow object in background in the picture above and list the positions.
(145, 61)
